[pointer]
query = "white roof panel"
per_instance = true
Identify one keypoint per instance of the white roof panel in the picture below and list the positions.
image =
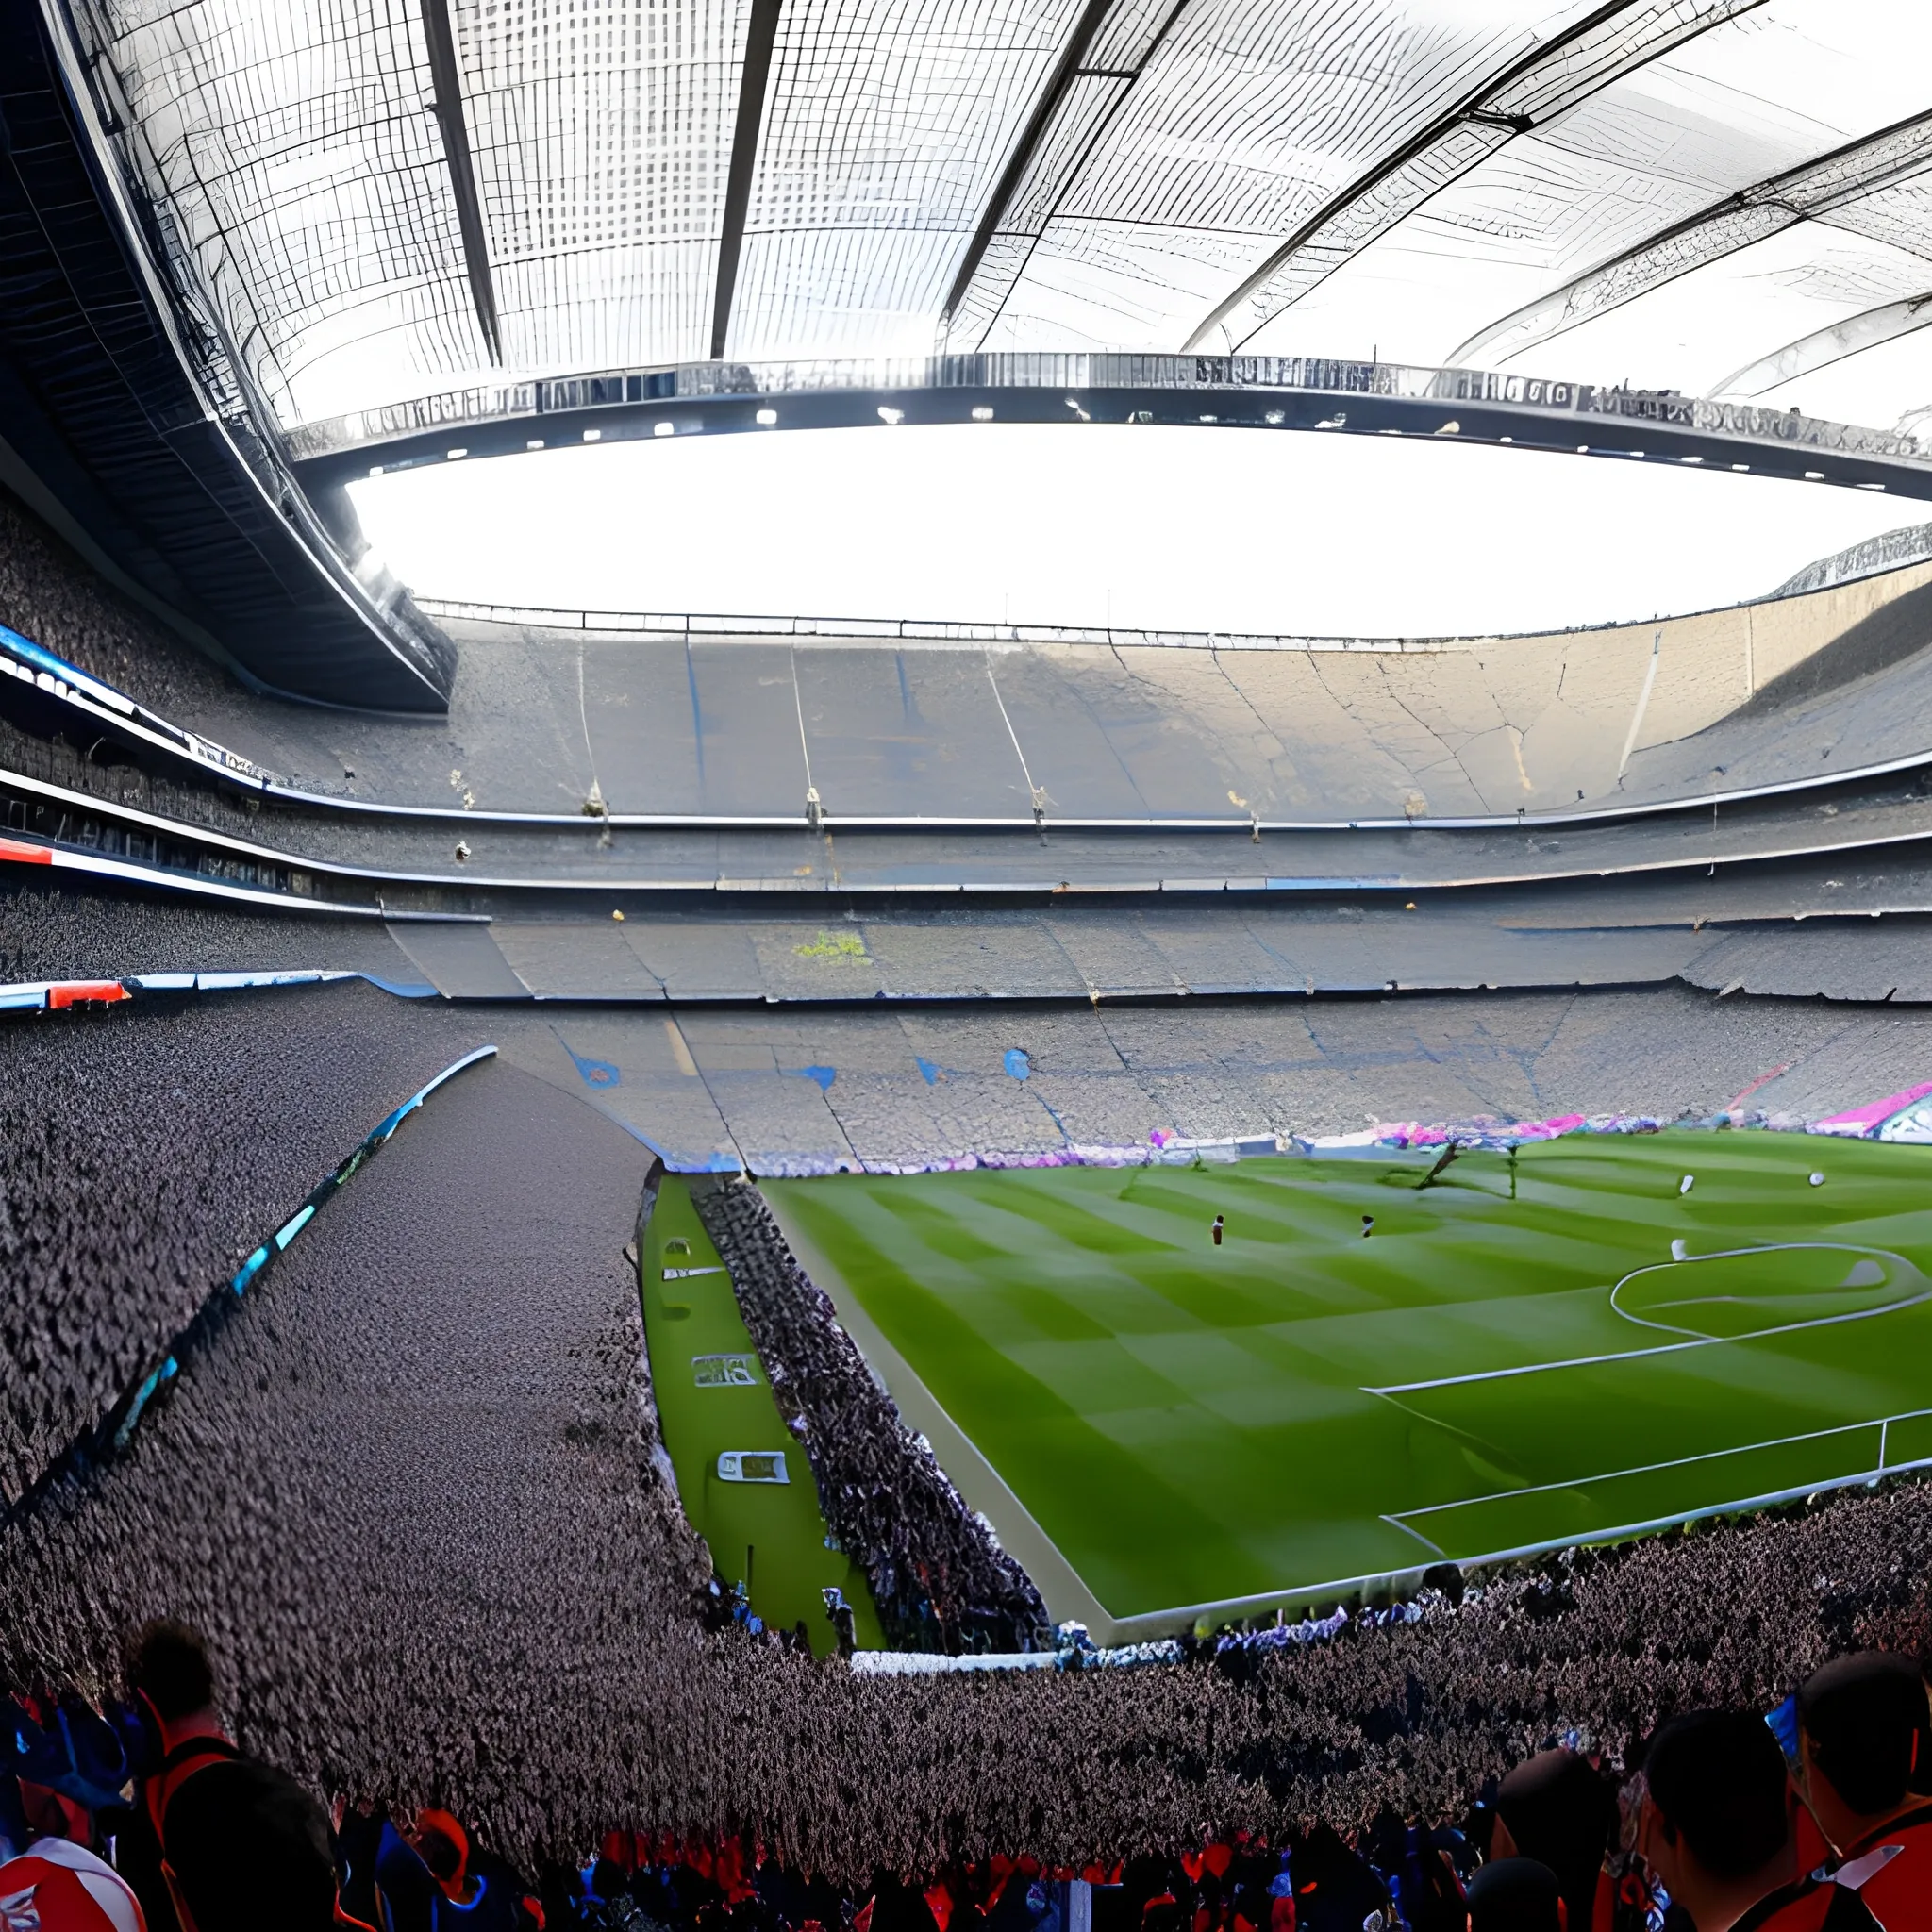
(1678, 191)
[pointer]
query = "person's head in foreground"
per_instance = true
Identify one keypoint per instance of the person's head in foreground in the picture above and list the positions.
(1862, 1734)
(1716, 1825)
(444, 1845)
(169, 1671)
(1557, 1809)
(1517, 1895)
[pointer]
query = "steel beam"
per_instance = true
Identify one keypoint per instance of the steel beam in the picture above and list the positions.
(1504, 105)
(1065, 69)
(761, 38)
(446, 75)
(1846, 175)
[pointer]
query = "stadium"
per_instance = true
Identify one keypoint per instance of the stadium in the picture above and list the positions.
(1217, 1219)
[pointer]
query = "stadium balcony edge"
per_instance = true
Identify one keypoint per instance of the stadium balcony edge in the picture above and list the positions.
(119, 402)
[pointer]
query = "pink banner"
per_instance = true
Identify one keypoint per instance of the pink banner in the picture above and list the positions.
(1860, 1121)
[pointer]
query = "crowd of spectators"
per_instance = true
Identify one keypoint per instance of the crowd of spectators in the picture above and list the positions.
(49, 933)
(52, 596)
(49, 595)
(141, 1814)
(134, 1172)
(557, 1672)
(938, 1577)
(416, 1493)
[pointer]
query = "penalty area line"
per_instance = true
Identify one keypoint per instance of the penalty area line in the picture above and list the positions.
(1882, 1423)
(1620, 1532)
(1629, 1355)
(1396, 1522)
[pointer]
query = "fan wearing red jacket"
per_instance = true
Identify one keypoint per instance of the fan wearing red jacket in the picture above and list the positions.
(1863, 1727)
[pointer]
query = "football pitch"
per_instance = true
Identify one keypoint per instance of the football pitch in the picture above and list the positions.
(1524, 1350)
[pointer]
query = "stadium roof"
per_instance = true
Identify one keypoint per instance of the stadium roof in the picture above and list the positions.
(387, 197)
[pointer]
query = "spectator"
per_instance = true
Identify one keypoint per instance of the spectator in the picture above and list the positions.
(430, 1881)
(1516, 1896)
(1715, 1825)
(60, 1762)
(1336, 1890)
(1429, 1889)
(1861, 1729)
(58, 1885)
(357, 1830)
(1558, 1810)
(220, 1843)
(1281, 1907)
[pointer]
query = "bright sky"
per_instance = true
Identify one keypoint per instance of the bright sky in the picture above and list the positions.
(1144, 528)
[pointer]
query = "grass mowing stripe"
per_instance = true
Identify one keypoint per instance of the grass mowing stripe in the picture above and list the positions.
(1271, 1411)
(1065, 1465)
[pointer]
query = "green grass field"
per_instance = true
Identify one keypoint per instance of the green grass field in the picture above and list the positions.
(1511, 1359)
(713, 1399)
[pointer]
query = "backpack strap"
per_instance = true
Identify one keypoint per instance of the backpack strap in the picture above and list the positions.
(1907, 1821)
(174, 1770)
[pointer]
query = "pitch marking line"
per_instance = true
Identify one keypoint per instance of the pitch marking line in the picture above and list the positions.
(1882, 1423)
(1744, 1253)
(1586, 1361)
(1409, 1528)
